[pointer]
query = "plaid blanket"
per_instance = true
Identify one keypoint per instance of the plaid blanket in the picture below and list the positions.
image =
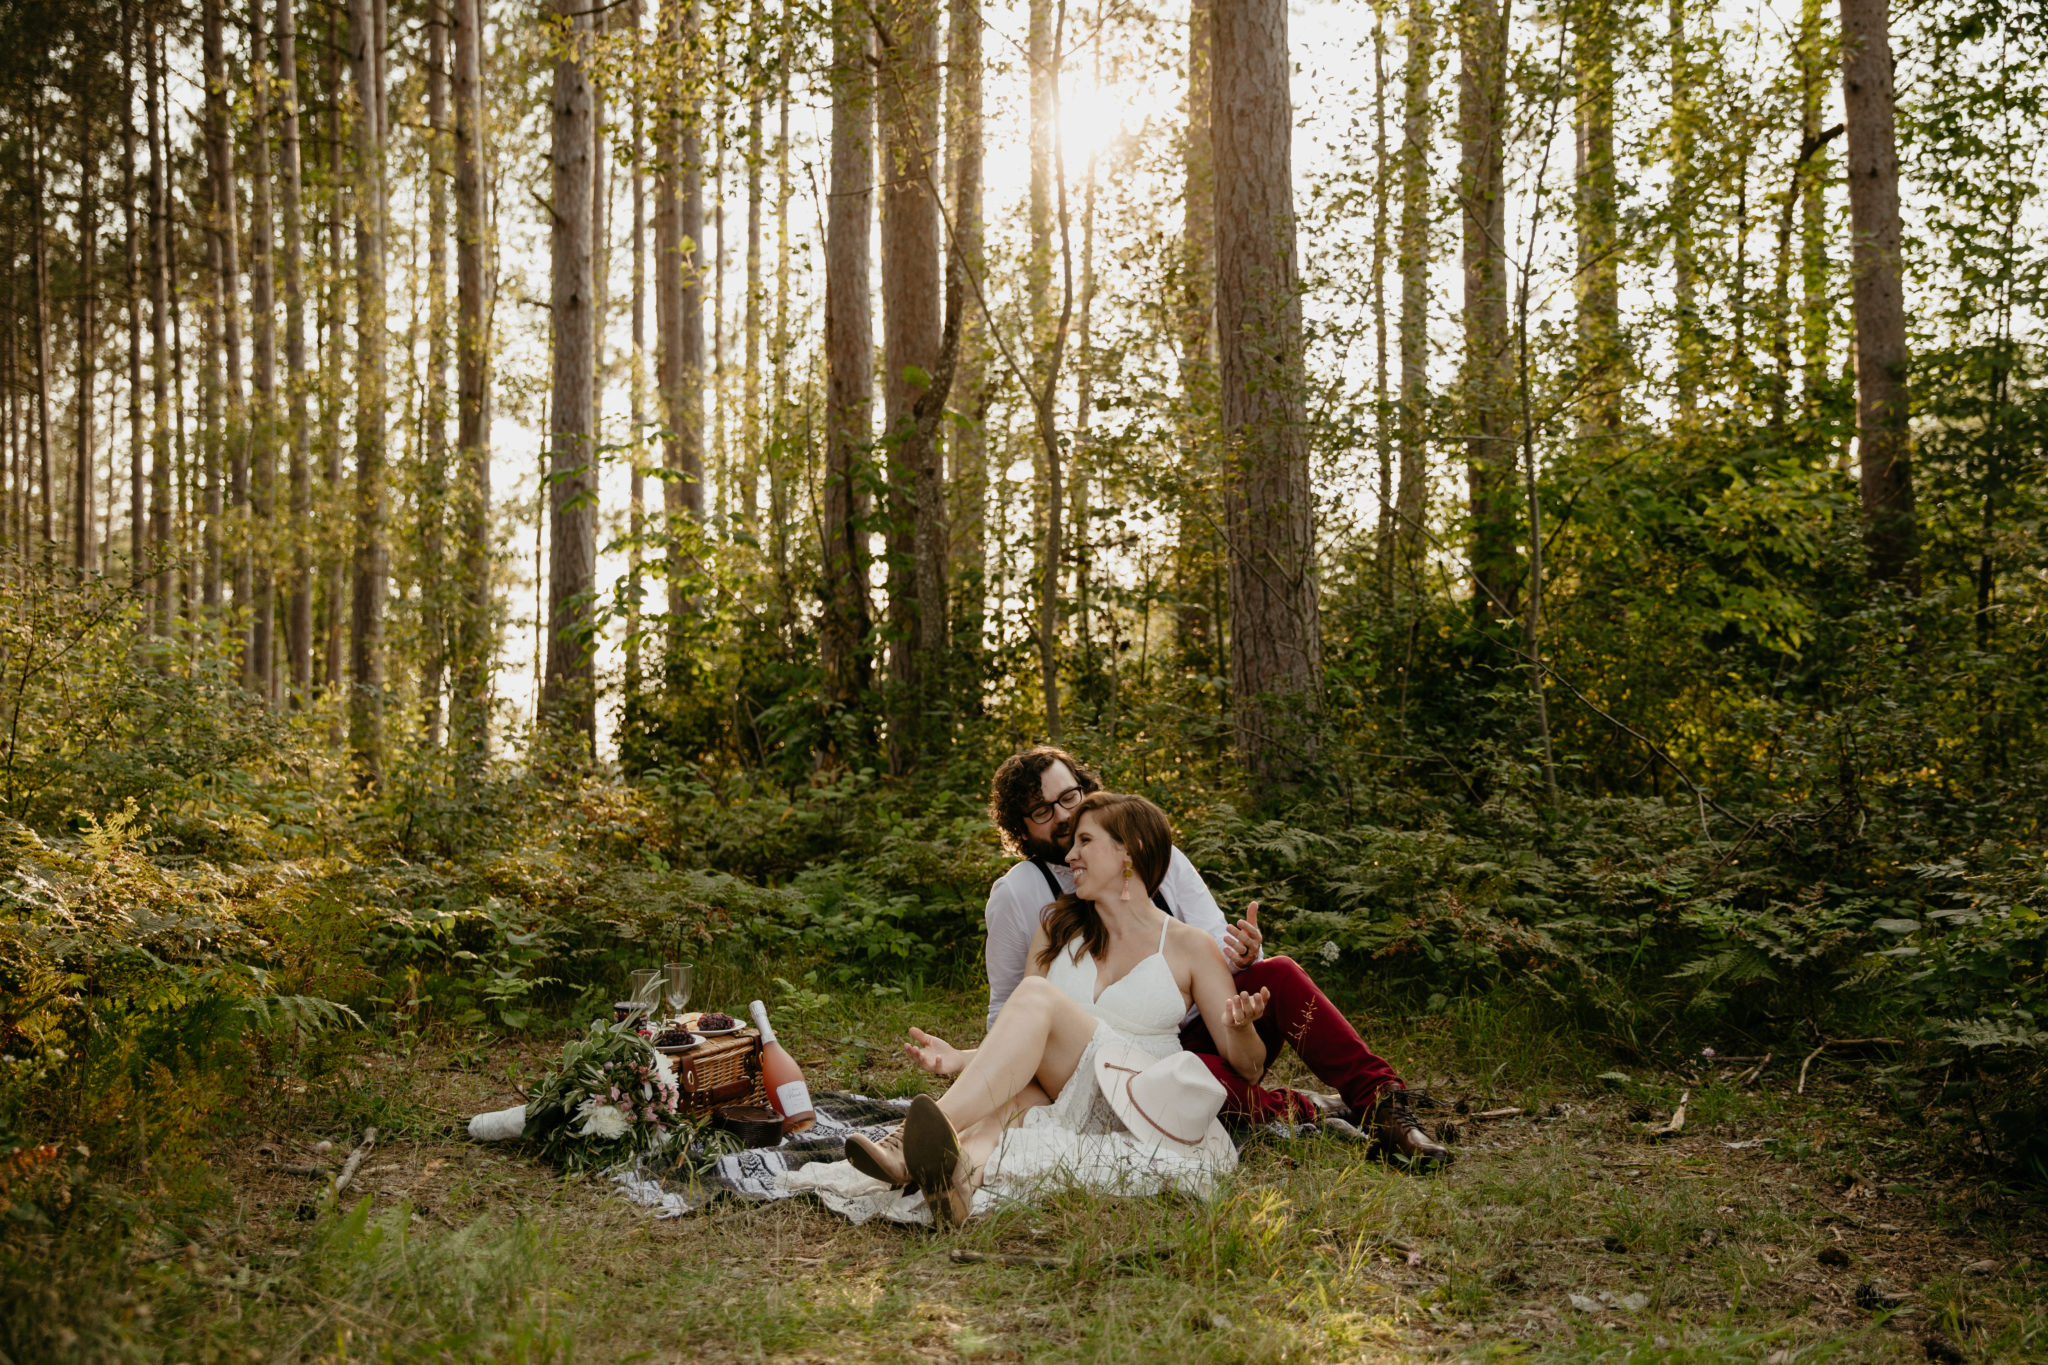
(751, 1174)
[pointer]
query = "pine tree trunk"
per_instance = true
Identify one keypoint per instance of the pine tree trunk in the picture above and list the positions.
(911, 324)
(1269, 510)
(1196, 631)
(751, 453)
(1818, 174)
(434, 490)
(1385, 542)
(779, 468)
(849, 355)
(636, 499)
(234, 430)
(1489, 453)
(334, 594)
(371, 569)
(679, 313)
(160, 508)
(1883, 441)
(967, 474)
(568, 691)
(138, 508)
(470, 694)
(299, 595)
(40, 249)
(1685, 288)
(259, 675)
(84, 549)
(1417, 133)
(1597, 223)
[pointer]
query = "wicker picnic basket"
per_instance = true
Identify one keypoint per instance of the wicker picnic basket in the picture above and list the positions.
(720, 1071)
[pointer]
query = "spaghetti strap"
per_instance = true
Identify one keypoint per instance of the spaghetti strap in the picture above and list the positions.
(1162, 934)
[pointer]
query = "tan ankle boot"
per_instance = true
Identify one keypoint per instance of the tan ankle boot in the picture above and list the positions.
(881, 1159)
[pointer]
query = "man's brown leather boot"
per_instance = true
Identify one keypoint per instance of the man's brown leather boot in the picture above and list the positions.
(1394, 1124)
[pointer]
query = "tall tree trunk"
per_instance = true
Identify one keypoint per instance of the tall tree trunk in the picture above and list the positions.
(228, 284)
(334, 593)
(1269, 509)
(258, 674)
(1196, 629)
(1417, 133)
(1883, 443)
(366, 619)
(1686, 340)
(1489, 453)
(911, 325)
(1597, 222)
(779, 468)
(1817, 175)
(1386, 540)
(967, 448)
(299, 609)
(138, 508)
(470, 693)
(434, 493)
(161, 415)
(84, 549)
(568, 692)
(679, 315)
(636, 499)
(40, 249)
(751, 454)
(849, 355)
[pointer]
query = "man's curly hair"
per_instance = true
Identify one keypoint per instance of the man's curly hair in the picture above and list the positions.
(1018, 786)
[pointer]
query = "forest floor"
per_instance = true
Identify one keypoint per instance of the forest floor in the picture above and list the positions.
(1776, 1227)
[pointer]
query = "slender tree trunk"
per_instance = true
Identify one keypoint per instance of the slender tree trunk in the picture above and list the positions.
(1489, 452)
(299, 595)
(1269, 510)
(911, 324)
(1597, 223)
(849, 355)
(259, 674)
(679, 316)
(366, 621)
(1417, 133)
(1196, 629)
(40, 247)
(84, 548)
(751, 453)
(1685, 332)
(160, 507)
(227, 243)
(967, 475)
(470, 694)
(1883, 441)
(1385, 542)
(338, 506)
(1818, 174)
(434, 492)
(636, 503)
(568, 692)
(778, 467)
(138, 508)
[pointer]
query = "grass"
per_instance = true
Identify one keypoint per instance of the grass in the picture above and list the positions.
(1687, 1251)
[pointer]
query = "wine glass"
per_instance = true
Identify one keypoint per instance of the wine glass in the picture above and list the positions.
(677, 978)
(646, 992)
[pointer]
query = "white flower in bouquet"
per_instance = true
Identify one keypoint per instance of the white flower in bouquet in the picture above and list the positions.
(602, 1120)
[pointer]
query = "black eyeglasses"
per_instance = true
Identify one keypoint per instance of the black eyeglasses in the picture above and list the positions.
(1066, 801)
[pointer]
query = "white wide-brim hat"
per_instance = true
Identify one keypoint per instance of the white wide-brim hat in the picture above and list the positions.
(1172, 1100)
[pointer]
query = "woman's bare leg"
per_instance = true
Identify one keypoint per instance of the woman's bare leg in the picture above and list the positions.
(1039, 1036)
(978, 1142)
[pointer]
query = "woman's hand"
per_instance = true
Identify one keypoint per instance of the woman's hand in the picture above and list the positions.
(935, 1055)
(1243, 1009)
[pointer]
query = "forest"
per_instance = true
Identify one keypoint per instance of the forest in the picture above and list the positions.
(1548, 498)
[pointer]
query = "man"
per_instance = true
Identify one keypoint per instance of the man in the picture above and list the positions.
(1030, 801)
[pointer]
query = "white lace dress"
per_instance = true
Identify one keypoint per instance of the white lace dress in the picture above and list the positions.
(1077, 1140)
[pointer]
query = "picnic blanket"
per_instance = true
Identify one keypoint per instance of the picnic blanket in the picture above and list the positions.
(758, 1175)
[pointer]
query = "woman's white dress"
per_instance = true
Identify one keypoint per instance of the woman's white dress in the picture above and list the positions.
(1077, 1140)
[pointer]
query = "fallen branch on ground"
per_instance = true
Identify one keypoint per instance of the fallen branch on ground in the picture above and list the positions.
(355, 1160)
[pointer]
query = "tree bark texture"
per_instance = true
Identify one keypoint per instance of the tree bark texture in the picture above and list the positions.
(1684, 266)
(1489, 449)
(469, 693)
(434, 476)
(568, 693)
(679, 308)
(230, 540)
(1883, 443)
(372, 553)
(1197, 625)
(967, 446)
(299, 593)
(1269, 511)
(1596, 219)
(138, 509)
(1412, 253)
(84, 549)
(258, 675)
(159, 337)
(849, 355)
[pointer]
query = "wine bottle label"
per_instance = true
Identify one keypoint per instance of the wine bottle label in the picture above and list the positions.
(793, 1098)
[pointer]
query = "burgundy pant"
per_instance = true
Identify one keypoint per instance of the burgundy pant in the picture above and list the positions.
(1323, 1038)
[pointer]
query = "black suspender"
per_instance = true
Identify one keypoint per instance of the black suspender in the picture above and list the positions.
(1052, 884)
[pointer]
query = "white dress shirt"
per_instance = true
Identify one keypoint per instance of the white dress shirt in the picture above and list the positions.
(1020, 898)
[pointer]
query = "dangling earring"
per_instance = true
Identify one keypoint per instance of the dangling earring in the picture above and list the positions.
(1127, 881)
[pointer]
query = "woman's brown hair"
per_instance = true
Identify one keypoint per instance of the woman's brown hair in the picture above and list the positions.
(1147, 837)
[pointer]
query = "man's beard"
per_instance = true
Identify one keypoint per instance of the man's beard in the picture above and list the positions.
(1054, 848)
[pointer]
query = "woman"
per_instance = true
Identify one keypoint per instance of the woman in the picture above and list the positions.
(1108, 970)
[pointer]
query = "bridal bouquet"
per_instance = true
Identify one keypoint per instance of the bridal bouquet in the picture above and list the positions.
(609, 1098)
